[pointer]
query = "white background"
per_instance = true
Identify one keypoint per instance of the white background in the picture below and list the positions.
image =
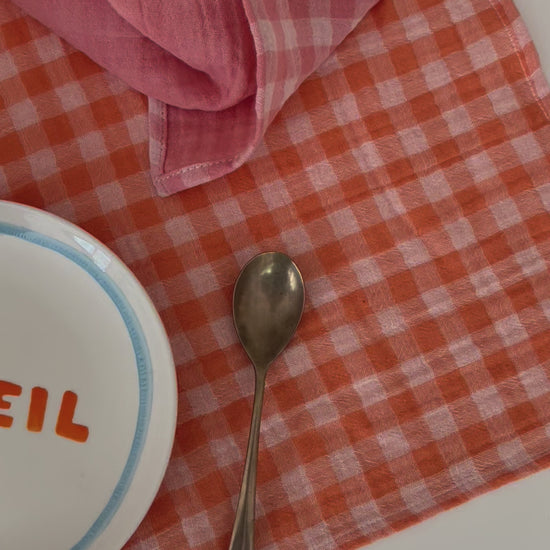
(516, 516)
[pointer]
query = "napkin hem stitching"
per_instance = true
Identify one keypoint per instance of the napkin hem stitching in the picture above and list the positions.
(517, 49)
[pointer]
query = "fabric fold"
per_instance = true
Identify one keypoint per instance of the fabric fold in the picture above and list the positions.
(216, 73)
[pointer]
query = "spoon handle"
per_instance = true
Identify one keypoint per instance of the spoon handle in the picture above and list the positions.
(242, 537)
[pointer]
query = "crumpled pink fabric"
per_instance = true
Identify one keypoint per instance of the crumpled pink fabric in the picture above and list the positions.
(216, 72)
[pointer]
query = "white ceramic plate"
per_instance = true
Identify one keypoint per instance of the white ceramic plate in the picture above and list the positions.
(87, 389)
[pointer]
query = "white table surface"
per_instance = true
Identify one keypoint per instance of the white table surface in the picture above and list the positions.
(516, 516)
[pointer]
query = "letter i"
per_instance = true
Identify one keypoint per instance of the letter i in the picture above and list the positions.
(37, 409)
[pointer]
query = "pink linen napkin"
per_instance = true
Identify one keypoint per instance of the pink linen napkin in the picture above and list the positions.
(216, 73)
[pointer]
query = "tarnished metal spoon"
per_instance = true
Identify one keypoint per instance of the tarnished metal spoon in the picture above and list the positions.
(268, 301)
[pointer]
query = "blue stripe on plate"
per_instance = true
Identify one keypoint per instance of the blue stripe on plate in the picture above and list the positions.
(143, 363)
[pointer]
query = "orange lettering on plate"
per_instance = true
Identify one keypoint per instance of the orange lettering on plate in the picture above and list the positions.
(7, 388)
(65, 426)
(37, 409)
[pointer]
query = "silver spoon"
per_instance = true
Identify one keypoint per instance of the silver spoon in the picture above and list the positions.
(268, 301)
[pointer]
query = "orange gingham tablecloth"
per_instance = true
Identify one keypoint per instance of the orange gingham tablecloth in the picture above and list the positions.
(409, 179)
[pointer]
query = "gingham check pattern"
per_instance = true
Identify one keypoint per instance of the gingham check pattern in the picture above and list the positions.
(409, 179)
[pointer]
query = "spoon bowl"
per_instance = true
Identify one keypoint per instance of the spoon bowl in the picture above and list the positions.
(267, 305)
(268, 301)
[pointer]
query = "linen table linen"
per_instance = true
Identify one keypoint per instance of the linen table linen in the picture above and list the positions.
(408, 177)
(216, 73)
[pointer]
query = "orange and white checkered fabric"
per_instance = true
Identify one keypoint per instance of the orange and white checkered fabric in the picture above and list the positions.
(409, 178)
